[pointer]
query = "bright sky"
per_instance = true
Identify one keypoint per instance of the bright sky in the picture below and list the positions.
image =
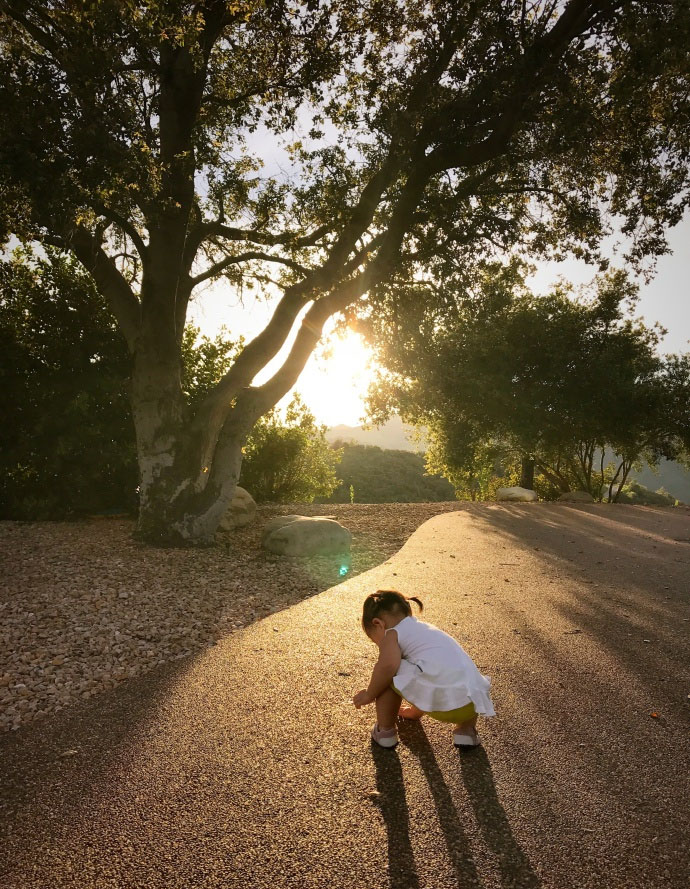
(334, 387)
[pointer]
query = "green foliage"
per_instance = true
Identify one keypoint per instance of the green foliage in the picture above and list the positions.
(634, 492)
(205, 361)
(289, 460)
(376, 475)
(500, 375)
(67, 439)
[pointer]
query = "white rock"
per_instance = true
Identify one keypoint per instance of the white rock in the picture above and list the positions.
(240, 512)
(522, 495)
(576, 497)
(305, 536)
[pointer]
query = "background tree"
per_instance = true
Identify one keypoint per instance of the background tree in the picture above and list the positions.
(288, 460)
(66, 438)
(436, 133)
(564, 385)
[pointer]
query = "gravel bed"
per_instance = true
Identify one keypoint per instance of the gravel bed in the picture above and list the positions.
(85, 607)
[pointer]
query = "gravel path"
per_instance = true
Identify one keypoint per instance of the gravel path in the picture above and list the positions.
(246, 766)
(84, 607)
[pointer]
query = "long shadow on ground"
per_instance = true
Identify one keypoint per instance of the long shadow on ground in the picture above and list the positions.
(515, 869)
(53, 766)
(632, 592)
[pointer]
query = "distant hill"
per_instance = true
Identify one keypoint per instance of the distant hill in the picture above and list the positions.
(370, 474)
(394, 435)
(671, 476)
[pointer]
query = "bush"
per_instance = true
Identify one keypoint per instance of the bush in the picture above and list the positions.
(289, 461)
(634, 492)
(66, 438)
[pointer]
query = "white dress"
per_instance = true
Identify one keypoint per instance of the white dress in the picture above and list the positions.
(435, 672)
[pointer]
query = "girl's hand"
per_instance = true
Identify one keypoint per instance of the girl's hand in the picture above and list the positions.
(362, 698)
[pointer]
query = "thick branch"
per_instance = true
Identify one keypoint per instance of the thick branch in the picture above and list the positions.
(111, 283)
(546, 51)
(265, 396)
(218, 267)
(206, 230)
(212, 414)
(43, 38)
(125, 225)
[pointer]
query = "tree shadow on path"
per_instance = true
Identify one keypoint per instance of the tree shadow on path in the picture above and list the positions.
(52, 768)
(631, 568)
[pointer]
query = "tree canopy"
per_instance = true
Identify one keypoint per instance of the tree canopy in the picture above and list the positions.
(556, 380)
(419, 138)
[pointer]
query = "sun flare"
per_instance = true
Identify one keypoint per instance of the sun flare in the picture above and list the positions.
(335, 381)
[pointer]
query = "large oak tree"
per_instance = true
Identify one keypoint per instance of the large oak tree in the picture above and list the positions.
(438, 133)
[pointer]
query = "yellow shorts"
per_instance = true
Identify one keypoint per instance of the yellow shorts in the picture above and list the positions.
(460, 714)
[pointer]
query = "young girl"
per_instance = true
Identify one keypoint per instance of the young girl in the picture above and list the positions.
(423, 665)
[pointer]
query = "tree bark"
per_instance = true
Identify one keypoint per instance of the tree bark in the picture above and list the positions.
(527, 473)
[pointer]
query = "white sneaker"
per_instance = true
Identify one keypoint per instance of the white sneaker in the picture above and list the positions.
(462, 739)
(384, 738)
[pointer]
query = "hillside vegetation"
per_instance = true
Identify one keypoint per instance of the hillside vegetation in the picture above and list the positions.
(373, 475)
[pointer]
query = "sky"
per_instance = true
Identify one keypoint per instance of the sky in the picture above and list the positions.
(334, 386)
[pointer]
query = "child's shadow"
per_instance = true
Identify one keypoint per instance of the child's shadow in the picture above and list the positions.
(515, 867)
(516, 871)
(392, 801)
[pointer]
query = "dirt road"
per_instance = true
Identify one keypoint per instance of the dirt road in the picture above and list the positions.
(246, 766)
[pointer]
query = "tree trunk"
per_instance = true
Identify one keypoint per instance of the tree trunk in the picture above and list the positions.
(177, 506)
(527, 473)
(186, 481)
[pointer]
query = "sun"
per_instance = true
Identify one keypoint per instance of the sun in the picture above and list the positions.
(335, 381)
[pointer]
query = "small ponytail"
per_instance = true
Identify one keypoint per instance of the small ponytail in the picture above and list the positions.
(418, 602)
(389, 601)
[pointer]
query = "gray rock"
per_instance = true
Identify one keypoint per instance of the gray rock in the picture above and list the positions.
(240, 512)
(305, 536)
(516, 494)
(576, 497)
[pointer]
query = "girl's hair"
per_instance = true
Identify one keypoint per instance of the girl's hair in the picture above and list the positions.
(389, 601)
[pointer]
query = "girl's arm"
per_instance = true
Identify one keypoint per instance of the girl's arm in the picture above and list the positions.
(385, 669)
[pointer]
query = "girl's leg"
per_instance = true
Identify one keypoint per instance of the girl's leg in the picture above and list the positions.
(387, 706)
(409, 711)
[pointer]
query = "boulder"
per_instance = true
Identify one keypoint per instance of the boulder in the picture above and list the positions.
(277, 522)
(240, 512)
(305, 536)
(280, 520)
(521, 495)
(576, 497)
